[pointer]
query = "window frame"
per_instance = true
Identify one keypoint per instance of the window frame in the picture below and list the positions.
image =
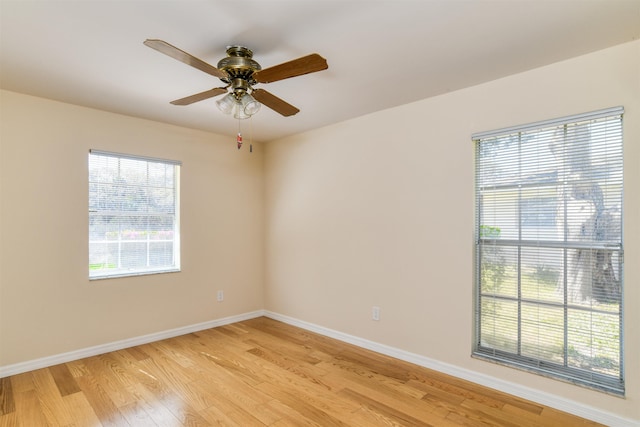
(173, 216)
(486, 235)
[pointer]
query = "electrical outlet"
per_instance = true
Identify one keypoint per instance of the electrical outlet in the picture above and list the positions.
(375, 313)
(220, 296)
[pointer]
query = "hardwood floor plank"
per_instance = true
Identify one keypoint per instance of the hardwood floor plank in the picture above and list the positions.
(379, 364)
(558, 418)
(307, 393)
(7, 403)
(464, 389)
(303, 405)
(298, 348)
(435, 394)
(492, 416)
(29, 411)
(108, 381)
(166, 367)
(10, 420)
(77, 368)
(258, 372)
(82, 413)
(22, 382)
(307, 373)
(168, 398)
(157, 410)
(105, 409)
(64, 380)
(462, 420)
(361, 374)
(169, 409)
(387, 391)
(365, 417)
(137, 416)
(384, 410)
(528, 417)
(53, 406)
(231, 332)
(290, 416)
(265, 413)
(174, 350)
(237, 366)
(278, 330)
(137, 353)
(216, 340)
(218, 415)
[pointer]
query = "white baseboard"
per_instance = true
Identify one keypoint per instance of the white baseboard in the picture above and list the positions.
(514, 389)
(44, 362)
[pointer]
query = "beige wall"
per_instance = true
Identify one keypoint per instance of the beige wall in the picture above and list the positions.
(47, 304)
(379, 210)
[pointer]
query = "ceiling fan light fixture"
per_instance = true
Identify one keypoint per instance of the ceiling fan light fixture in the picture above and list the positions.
(227, 103)
(241, 106)
(249, 104)
(239, 112)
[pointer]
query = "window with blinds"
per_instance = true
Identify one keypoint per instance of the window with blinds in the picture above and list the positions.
(133, 215)
(549, 254)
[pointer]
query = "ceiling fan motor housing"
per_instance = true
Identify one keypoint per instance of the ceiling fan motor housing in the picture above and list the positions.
(240, 68)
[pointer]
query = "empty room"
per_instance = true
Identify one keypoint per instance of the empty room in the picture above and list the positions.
(319, 212)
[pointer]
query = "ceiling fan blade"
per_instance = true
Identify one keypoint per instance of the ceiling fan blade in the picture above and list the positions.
(200, 96)
(297, 67)
(182, 56)
(273, 102)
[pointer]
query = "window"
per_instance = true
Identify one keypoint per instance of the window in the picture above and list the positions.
(549, 253)
(133, 215)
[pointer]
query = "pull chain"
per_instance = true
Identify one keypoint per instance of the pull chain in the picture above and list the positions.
(251, 134)
(239, 135)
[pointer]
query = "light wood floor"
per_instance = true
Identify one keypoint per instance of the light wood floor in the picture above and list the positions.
(253, 373)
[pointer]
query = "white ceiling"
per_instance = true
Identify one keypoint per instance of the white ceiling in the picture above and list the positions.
(380, 53)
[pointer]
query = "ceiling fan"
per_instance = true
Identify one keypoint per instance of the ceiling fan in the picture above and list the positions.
(240, 73)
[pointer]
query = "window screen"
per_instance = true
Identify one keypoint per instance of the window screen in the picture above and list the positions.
(133, 215)
(549, 254)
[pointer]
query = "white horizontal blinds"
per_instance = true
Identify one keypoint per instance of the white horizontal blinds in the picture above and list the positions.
(549, 248)
(135, 157)
(133, 215)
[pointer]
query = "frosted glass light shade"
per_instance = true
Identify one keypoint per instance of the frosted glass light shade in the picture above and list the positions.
(251, 106)
(246, 107)
(238, 112)
(227, 103)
